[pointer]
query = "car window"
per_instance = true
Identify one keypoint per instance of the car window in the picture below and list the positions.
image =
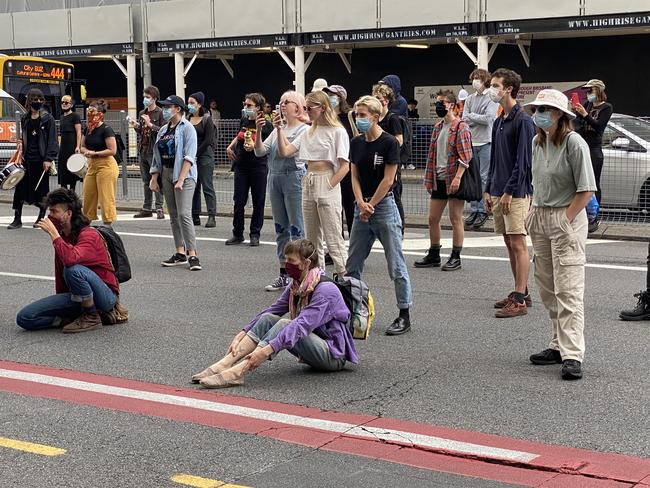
(637, 126)
(609, 135)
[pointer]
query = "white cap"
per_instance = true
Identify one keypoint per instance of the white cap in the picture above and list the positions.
(553, 98)
(319, 84)
(462, 95)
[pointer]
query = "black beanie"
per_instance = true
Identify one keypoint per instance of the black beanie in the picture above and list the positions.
(199, 97)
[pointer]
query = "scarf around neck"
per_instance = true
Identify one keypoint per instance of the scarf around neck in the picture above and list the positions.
(299, 293)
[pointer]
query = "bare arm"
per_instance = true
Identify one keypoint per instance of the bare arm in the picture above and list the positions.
(285, 149)
(390, 171)
(344, 167)
(578, 204)
(77, 129)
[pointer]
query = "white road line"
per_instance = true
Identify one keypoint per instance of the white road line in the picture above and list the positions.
(30, 276)
(271, 416)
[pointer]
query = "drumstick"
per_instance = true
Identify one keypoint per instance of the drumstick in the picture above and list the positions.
(39, 180)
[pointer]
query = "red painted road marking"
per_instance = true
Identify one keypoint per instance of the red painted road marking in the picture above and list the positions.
(419, 445)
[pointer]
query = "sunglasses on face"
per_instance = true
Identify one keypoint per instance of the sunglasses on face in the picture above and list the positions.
(312, 107)
(542, 108)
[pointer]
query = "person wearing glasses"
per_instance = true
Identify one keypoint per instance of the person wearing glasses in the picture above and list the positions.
(70, 129)
(250, 171)
(593, 118)
(284, 179)
(325, 147)
(40, 149)
(563, 184)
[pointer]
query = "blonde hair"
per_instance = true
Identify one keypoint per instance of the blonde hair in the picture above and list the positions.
(66, 98)
(385, 91)
(328, 117)
(371, 103)
(299, 100)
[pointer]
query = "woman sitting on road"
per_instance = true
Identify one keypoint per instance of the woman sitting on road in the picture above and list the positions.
(316, 331)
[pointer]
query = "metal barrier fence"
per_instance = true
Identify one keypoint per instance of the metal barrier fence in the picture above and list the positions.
(625, 178)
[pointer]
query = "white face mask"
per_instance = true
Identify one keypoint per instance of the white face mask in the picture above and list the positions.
(478, 85)
(493, 93)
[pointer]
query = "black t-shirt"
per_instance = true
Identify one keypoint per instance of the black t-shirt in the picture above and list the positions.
(167, 146)
(248, 127)
(371, 158)
(67, 123)
(601, 114)
(391, 124)
(97, 140)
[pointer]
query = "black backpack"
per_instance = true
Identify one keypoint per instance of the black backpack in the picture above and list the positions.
(117, 253)
(121, 147)
(406, 148)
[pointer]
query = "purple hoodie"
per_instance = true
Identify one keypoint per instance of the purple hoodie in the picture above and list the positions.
(326, 315)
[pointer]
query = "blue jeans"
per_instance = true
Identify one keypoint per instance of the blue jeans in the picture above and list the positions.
(83, 284)
(312, 349)
(482, 155)
(385, 225)
(285, 191)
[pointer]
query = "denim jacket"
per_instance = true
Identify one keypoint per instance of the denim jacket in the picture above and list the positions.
(185, 140)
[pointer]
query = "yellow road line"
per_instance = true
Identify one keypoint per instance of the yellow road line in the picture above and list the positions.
(198, 482)
(30, 447)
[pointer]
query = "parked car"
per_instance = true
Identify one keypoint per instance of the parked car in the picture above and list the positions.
(625, 180)
(8, 108)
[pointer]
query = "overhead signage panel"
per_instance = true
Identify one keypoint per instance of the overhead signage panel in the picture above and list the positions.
(244, 42)
(420, 33)
(74, 52)
(570, 24)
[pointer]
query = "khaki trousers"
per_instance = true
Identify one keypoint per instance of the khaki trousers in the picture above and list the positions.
(559, 257)
(99, 187)
(321, 209)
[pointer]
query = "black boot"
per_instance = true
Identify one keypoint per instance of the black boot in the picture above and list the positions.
(41, 215)
(17, 223)
(431, 260)
(453, 263)
(196, 219)
(211, 222)
(642, 309)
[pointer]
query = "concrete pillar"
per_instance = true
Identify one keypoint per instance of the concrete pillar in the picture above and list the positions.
(482, 53)
(179, 69)
(299, 62)
(132, 101)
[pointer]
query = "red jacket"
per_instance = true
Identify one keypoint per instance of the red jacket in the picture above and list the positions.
(89, 251)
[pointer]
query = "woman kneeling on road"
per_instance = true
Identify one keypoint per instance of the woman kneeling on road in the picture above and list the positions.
(316, 332)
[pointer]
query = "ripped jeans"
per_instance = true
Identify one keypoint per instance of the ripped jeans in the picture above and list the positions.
(285, 191)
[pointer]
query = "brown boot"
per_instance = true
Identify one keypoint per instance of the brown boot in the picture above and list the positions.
(84, 323)
(119, 314)
(143, 214)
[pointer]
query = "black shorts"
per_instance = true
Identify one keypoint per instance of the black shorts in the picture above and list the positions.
(441, 192)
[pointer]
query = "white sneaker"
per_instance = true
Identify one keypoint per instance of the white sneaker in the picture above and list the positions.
(411, 167)
(280, 283)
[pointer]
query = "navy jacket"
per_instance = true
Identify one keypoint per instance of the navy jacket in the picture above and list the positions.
(399, 106)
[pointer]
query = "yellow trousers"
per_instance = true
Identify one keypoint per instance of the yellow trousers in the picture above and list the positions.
(99, 188)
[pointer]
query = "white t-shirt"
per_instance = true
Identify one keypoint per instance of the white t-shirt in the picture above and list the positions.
(323, 144)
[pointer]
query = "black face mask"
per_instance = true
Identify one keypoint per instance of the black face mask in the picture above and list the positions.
(37, 105)
(441, 110)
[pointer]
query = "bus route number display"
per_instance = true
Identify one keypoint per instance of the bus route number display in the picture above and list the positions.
(35, 71)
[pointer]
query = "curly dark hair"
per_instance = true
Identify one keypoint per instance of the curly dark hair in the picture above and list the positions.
(64, 196)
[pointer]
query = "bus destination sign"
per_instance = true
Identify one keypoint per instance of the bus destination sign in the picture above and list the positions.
(36, 71)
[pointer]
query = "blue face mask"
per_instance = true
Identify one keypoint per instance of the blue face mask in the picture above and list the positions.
(543, 120)
(591, 97)
(146, 102)
(334, 101)
(248, 112)
(191, 108)
(364, 124)
(167, 113)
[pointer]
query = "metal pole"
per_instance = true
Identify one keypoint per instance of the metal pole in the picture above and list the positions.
(19, 129)
(179, 69)
(299, 63)
(132, 104)
(482, 53)
(146, 59)
(124, 128)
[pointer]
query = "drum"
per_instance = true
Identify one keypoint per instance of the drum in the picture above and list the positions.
(78, 164)
(11, 176)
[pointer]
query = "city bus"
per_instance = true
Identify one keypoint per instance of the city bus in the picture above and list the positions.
(54, 78)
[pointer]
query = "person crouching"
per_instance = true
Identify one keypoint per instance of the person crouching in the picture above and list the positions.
(84, 279)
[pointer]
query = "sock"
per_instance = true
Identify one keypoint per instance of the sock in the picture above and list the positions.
(92, 309)
(283, 271)
(404, 313)
(520, 297)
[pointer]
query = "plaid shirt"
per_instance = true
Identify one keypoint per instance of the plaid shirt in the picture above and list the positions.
(459, 150)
